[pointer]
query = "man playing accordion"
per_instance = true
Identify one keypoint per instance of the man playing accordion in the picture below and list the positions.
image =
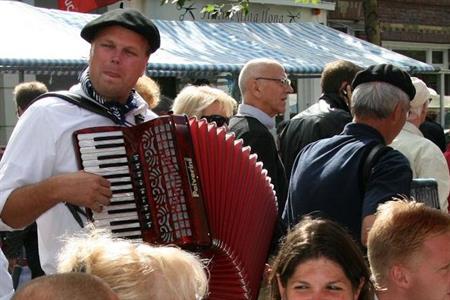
(39, 172)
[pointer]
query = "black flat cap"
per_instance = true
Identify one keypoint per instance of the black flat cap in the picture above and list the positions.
(129, 18)
(386, 73)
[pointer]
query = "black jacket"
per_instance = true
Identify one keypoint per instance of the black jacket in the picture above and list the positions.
(258, 137)
(434, 132)
(323, 119)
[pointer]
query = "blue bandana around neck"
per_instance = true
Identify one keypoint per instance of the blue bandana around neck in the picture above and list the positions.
(118, 110)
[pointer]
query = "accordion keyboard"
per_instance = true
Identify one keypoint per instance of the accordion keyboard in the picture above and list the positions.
(104, 153)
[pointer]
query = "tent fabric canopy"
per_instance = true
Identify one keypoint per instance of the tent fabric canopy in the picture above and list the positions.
(40, 40)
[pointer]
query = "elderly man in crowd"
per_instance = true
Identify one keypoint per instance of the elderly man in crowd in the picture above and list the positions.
(425, 158)
(264, 88)
(328, 175)
(38, 171)
(409, 252)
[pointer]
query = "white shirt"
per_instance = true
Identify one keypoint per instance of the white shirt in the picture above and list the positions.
(6, 284)
(425, 158)
(40, 147)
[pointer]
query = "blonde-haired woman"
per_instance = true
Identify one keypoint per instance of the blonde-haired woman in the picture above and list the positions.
(135, 270)
(205, 102)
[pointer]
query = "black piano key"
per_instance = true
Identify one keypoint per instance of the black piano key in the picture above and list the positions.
(118, 191)
(108, 138)
(112, 156)
(129, 237)
(119, 230)
(104, 146)
(121, 222)
(120, 183)
(112, 203)
(110, 176)
(119, 211)
(101, 166)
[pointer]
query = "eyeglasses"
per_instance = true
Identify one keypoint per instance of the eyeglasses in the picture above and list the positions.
(219, 120)
(283, 81)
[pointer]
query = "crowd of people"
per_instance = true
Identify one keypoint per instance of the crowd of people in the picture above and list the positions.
(346, 229)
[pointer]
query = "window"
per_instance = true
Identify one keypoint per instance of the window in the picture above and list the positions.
(416, 54)
(437, 57)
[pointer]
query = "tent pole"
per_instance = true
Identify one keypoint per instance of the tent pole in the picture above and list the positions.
(441, 80)
(21, 76)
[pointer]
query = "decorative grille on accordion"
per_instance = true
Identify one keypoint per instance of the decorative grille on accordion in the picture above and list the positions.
(189, 183)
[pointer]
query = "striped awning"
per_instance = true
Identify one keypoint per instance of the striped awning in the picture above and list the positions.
(38, 40)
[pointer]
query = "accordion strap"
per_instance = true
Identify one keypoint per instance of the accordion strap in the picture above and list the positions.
(83, 102)
(76, 211)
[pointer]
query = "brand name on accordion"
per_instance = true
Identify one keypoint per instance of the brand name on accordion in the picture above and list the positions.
(192, 177)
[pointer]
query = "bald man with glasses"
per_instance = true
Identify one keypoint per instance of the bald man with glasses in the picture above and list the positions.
(264, 87)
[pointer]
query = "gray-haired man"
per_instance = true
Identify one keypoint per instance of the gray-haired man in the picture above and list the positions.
(327, 175)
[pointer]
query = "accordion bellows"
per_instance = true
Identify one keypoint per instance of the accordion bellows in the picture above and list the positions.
(192, 185)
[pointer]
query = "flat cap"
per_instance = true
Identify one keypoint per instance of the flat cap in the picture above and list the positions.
(386, 73)
(129, 18)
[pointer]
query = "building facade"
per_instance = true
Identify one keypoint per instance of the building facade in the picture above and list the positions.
(419, 29)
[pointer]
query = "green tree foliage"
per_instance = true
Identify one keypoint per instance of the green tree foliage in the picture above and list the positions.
(215, 10)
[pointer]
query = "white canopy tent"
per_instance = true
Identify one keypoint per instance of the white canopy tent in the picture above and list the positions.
(39, 40)
(47, 41)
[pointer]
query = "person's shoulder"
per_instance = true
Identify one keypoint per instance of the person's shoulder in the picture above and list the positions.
(428, 147)
(394, 157)
(249, 128)
(237, 119)
(53, 101)
(414, 143)
(240, 122)
(430, 124)
(240, 118)
(328, 116)
(316, 147)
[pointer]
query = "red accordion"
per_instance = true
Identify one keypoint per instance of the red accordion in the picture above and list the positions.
(189, 183)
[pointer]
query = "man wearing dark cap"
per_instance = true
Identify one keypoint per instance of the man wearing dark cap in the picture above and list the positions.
(38, 171)
(327, 176)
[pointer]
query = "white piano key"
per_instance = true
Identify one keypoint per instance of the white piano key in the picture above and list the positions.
(117, 217)
(125, 178)
(100, 151)
(123, 194)
(122, 197)
(121, 206)
(96, 162)
(91, 135)
(106, 171)
(91, 143)
(128, 234)
(121, 187)
(92, 156)
(125, 226)
(107, 222)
